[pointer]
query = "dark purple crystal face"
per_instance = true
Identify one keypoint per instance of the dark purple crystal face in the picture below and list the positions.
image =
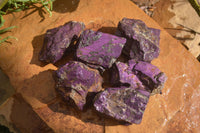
(127, 104)
(99, 48)
(75, 80)
(142, 42)
(57, 40)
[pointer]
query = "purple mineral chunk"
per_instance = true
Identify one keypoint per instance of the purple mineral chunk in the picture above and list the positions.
(122, 74)
(57, 40)
(142, 42)
(99, 48)
(150, 75)
(75, 80)
(127, 104)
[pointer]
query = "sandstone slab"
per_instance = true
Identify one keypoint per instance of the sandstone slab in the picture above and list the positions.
(175, 110)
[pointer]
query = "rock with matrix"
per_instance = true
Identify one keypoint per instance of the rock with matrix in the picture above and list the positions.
(99, 48)
(75, 80)
(150, 76)
(123, 103)
(142, 41)
(57, 40)
(122, 74)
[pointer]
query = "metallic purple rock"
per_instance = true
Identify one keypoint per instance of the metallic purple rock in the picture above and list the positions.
(150, 76)
(75, 80)
(57, 41)
(99, 48)
(142, 42)
(127, 104)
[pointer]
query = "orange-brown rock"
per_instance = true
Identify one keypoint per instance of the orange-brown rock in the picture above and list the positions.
(176, 110)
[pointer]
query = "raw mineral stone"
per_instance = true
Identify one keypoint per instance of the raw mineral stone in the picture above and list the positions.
(57, 41)
(99, 48)
(150, 76)
(122, 74)
(142, 42)
(127, 104)
(75, 80)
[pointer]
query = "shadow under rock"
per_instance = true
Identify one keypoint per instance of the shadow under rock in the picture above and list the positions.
(40, 9)
(109, 30)
(63, 6)
(37, 44)
(40, 87)
(69, 55)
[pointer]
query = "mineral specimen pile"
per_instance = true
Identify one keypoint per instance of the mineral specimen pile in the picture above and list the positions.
(124, 102)
(142, 42)
(57, 40)
(128, 103)
(99, 48)
(75, 80)
(133, 81)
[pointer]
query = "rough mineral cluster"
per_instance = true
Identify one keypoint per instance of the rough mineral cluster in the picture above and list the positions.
(142, 42)
(99, 48)
(75, 80)
(138, 74)
(132, 81)
(57, 40)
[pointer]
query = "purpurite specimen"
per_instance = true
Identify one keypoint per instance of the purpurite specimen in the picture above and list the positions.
(123, 103)
(57, 40)
(128, 103)
(142, 42)
(134, 80)
(150, 76)
(75, 80)
(99, 48)
(122, 74)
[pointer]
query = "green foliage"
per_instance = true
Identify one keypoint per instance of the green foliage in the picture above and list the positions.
(8, 6)
(5, 29)
(19, 5)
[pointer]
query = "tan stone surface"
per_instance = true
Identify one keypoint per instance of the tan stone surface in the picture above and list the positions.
(181, 20)
(176, 110)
